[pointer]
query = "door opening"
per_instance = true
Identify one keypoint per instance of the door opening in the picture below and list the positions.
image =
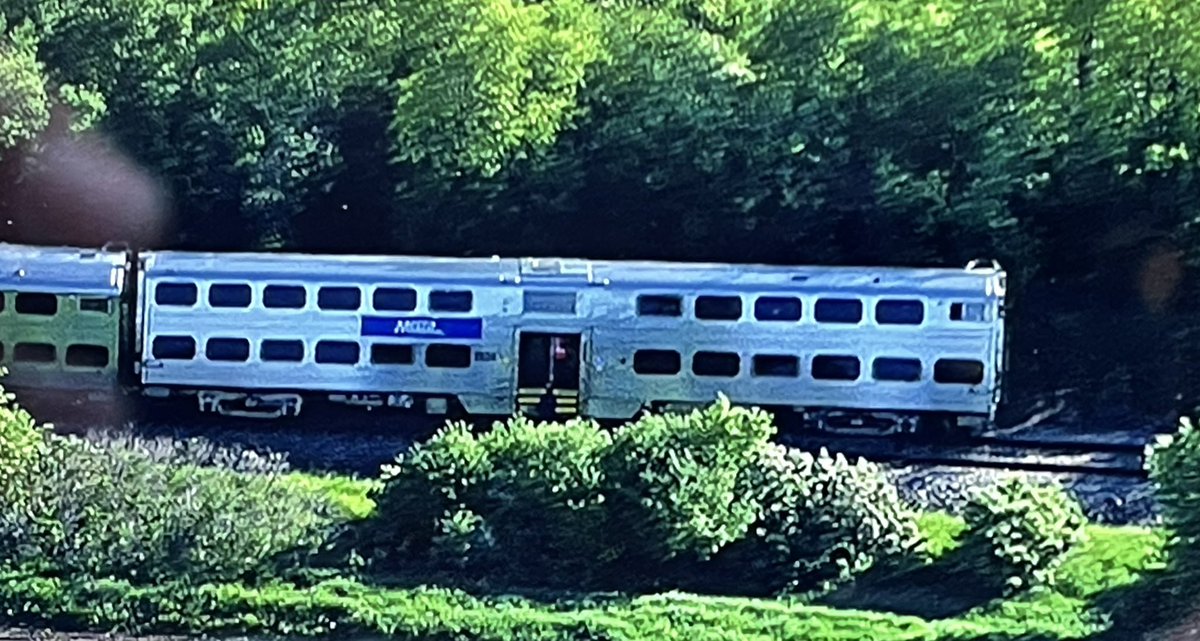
(548, 366)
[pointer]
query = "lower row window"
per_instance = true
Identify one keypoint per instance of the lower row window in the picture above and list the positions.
(829, 367)
(90, 356)
(328, 352)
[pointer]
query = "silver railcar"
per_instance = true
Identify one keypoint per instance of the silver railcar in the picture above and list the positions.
(258, 333)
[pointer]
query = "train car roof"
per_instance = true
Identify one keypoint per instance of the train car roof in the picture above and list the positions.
(565, 272)
(61, 270)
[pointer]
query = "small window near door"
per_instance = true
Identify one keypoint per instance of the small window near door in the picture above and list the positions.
(392, 354)
(450, 356)
(656, 362)
(175, 294)
(87, 356)
(899, 312)
(178, 348)
(658, 305)
(968, 312)
(954, 371)
(451, 301)
(98, 305)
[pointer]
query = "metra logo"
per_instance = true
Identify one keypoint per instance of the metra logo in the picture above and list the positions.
(418, 327)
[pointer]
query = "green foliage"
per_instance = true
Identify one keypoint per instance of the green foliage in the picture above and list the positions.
(679, 479)
(472, 500)
(111, 512)
(823, 520)
(22, 444)
(1174, 466)
(1026, 530)
(24, 105)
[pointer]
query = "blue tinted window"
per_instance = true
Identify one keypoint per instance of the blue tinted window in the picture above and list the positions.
(282, 350)
(958, 372)
(395, 299)
(450, 301)
(777, 308)
(227, 349)
(174, 347)
(175, 294)
(345, 298)
(899, 312)
(836, 368)
(896, 369)
(229, 295)
(337, 352)
(283, 296)
(838, 310)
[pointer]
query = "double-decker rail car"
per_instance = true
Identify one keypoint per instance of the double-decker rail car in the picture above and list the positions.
(264, 334)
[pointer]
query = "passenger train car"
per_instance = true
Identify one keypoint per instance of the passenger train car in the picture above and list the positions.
(266, 334)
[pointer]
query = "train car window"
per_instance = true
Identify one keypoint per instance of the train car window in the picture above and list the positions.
(2, 296)
(284, 296)
(343, 298)
(899, 312)
(232, 295)
(657, 305)
(972, 312)
(775, 365)
(718, 307)
(725, 364)
(886, 368)
(178, 348)
(831, 367)
(182, 294)
(838, 310)
(549, 302)
(450, 301)
(660, 362)
(958, 371)
(392, 355)
(394, 299)
(281, 350)
(457, 356)
(337, 352)
(87, 356)
(37, 304)
(34, 353)
(777, 308)
(235, 350)
(99, 305)
(1, 352)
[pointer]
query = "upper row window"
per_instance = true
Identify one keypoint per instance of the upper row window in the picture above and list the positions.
(789, 309)
(395, 299)
(38, 304)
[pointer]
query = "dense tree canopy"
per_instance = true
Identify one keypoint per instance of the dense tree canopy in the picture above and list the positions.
(1058, 136)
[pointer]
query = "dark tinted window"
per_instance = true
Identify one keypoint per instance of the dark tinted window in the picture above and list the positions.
(37, 304)
(1, 351)
(956, 371)
(899, 312)
(34, 353)
(896, 369)
(175, 294)
(394, 299)
(836, 368)
(777, 308)
(284, 296)
(291, 351)
(838, 310)
(87, 356)
(339, 298)
(448, 356)
(776, 365)
(450, 301)
(966, 311)
(2, 301)
(716, 364)
(654, 305)
(227, 349)
(392, 354)
(229, 295)
(93, 305)
(174, 347)
(337, 352)
(718, 307)
(550, 302)
(656, 361)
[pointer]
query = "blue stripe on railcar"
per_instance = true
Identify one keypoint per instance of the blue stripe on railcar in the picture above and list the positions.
(422, 327)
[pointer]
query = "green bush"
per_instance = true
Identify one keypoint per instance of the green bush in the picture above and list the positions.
(677, 481)
(821, 520)
(1025, 530)
(112, 512)
(22, 443)
(521, 500)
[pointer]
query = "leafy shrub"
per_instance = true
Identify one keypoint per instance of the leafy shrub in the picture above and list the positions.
(192, 451)
(821, 520)
(112, 512)
(22, 443)
(522, 499)
(1026, 530)
(676, 480)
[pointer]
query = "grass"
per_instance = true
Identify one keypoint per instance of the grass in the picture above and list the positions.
(1110, 560)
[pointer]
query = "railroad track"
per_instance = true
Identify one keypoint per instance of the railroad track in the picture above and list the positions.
(1017, 454)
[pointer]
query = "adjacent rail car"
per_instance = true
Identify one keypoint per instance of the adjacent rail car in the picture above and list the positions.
(265, 334)
(61, 320)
